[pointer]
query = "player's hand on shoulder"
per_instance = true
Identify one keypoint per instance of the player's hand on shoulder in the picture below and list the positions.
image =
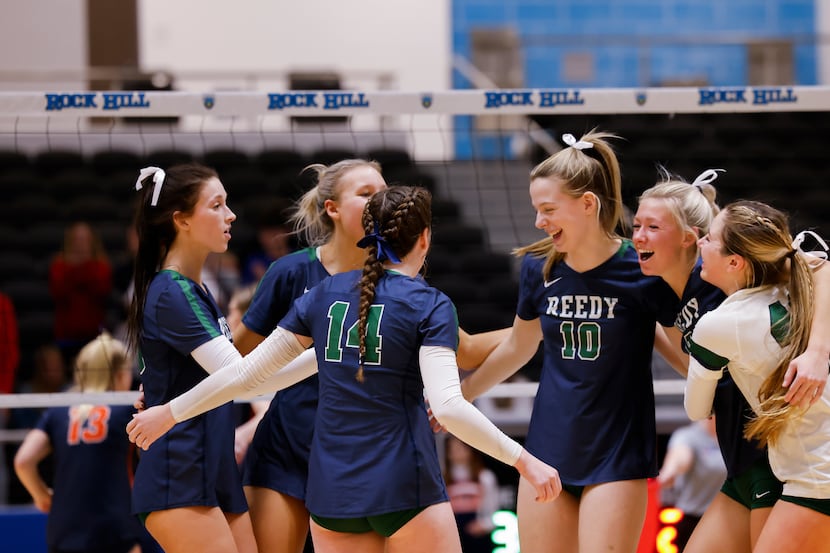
(806, 378)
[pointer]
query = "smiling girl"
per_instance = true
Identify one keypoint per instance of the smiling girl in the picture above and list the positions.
(583, 295)
(757, 331)
(670, 217)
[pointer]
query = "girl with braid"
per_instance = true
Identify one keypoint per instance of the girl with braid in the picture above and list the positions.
(329, 219)
(275, 469)
(762, 325)
(382, 337)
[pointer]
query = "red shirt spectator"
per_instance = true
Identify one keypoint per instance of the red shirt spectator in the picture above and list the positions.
(80, 281)
(9, 345)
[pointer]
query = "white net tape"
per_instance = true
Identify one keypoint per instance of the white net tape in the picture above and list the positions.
(454, 102)
(506, 390)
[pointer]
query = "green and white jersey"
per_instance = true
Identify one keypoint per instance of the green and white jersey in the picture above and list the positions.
(745, 335)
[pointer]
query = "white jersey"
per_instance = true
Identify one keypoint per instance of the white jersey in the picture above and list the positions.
(742, 335)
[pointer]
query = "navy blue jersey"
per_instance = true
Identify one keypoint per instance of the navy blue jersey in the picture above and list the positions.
(93, 471)
(699, 297)
(373, 450)
(593, 415)
(729, 405)
(278, 456)
(193, 463)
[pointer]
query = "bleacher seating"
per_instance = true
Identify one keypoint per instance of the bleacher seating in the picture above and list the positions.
(774, 157)
(47, 191)
(51, 163)
(276, 161)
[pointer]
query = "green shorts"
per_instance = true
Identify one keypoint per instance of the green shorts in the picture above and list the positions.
(756, 488)
(820, 505)
(385, 525)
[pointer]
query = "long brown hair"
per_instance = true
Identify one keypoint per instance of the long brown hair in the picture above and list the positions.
(760, 234)
(156, 231)
(397, 216)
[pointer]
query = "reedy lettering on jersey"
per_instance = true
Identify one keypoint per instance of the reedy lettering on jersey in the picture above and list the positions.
(581, 307)
(689, 313)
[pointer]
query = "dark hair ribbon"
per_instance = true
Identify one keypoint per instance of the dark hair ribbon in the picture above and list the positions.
(384, 249)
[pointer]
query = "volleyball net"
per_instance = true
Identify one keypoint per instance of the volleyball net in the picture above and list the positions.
(63, 152)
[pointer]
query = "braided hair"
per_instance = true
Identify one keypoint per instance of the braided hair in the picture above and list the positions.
(395, 218)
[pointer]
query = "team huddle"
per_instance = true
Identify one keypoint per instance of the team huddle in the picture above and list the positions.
(364, 357)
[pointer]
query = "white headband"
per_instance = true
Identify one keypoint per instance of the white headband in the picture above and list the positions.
(572, 142)
(818, 256)
(706, 177)
(158, 179)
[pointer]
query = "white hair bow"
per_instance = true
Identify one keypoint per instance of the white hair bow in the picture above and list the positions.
(573, 143)
(818, 256)
(158, 179)
(707, 177)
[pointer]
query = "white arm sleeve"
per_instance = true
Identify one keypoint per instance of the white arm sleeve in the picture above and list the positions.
(713, 343)
(219, 353)
(443, 389)
(298, 369)
(215, 354)
(701, 384)
(244, 375)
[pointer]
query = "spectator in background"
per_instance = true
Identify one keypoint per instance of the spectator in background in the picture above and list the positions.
(122, 274)
(274, 238)
(9, 359)
(238, 305)
(123, 267)
(80, 281)
(474, 494)
(48, 377)
(89, 501)
(9, 345)
(221, 276)
(692, 473)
